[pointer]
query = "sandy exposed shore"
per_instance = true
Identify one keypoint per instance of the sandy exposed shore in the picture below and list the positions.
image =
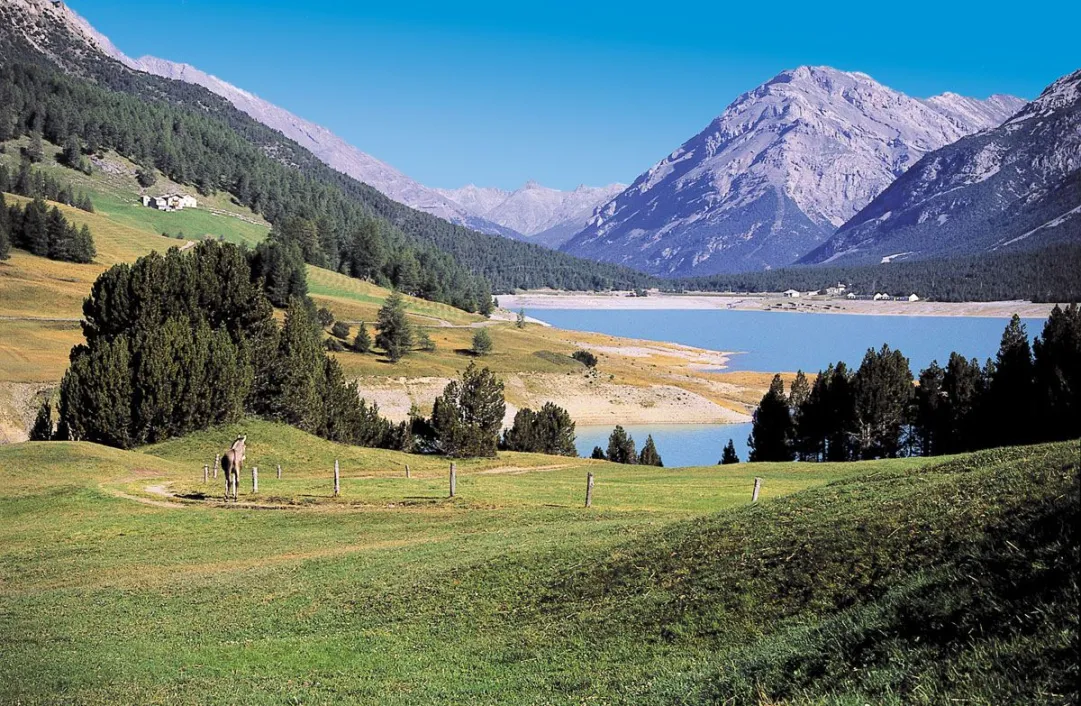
(819, 305)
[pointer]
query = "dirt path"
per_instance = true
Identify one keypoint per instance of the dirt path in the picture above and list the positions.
(527, 469)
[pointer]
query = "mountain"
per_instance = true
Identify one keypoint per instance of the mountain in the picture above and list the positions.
(60, 81)
(776, 173)
(540, 214)
(1015, 186)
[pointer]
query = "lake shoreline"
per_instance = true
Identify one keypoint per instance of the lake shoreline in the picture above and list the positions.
(537, 300)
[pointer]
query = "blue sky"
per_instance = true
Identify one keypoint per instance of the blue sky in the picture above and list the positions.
(569, 92)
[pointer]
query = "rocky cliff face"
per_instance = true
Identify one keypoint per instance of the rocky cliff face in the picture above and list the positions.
(1017, 185)
(775, 174)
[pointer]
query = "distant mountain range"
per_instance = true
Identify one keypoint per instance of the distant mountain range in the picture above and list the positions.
(777, 172)
(1014, 186)
(540, 214)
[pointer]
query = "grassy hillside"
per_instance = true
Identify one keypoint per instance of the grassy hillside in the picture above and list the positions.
(885, 582)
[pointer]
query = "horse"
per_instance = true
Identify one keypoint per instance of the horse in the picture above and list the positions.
(231, 461)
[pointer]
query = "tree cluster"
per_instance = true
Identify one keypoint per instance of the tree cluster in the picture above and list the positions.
(43, 231)
(34, 183)
(621, 449)
(467, 417)
(1027, 394)
(549, 430)
(1047, 274)
(184, 341)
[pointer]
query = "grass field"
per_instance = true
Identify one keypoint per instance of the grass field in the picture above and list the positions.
(880, 582)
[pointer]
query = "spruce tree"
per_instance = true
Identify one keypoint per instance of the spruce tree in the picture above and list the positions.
(728, 456)
(649, 455)
(1011, 394)
(5, 230)
(482, 342)
(772, 429)
(43, 423)
(83, 249)
(931, 424)
(362, 343)
(468, 415)
(621, 446)
(35, 228)
(1058, 373)
(598, 454)
(395, 334)
(301, 354)
(882, 390)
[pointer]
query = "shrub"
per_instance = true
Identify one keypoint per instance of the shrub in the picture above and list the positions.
(340, 329)
(482, 342)
(585, 358)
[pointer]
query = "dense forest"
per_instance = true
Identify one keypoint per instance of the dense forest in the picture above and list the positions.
(182, 342)
(43, 231)
(1027, 394)
(1043, 275)
(35, 183)
(196, 137)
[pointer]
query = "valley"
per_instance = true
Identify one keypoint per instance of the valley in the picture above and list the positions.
(282, 424)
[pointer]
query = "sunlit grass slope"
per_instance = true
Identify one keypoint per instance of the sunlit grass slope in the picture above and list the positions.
(894, 583)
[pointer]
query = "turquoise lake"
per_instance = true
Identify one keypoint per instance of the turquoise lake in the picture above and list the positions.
(773, 342)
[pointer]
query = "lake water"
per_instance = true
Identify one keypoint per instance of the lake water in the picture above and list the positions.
(773, 342)
(678, 444)
(776, 341)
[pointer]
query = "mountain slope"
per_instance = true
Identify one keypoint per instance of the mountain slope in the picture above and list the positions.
(56, 72)
(540, 214)
(776, 173)
(1018, 185)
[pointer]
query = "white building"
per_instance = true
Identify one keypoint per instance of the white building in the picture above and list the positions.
(881, 297)
(170, 202)
(791, 294)
(913, 298)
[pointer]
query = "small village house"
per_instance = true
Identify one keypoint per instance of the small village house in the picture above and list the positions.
(170, 202)
(791, 294)
(913, 297)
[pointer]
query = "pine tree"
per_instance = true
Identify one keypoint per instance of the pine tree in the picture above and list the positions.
(649, 455)
(301, 354)
(931, 423)
(83, 249)
(1011, 394)
(1058, 373)
(340, 329)
(621, 446)
(482, 342)
(362, 343)
(772, 429)
(35, 228)
(882, 392)
(5, 230)
(798, 397)
(728, 456)
(43, 423)
(519, 320)
(598, 454)
(467, 416)
(395, 334)
(60, 236)
(425, 342)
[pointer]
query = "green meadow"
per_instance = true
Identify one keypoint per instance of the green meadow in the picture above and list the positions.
(124, 578)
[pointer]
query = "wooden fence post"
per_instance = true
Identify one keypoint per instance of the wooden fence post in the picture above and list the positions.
(407, 470)
(279, 471)
(757, 487)
(206, 472)
(453, 479)
(589, 490)
(254, 479)
(337, 480)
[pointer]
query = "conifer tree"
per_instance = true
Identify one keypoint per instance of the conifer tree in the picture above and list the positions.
(728, 456)
(466, 418)
(301, 354)
(482, 342)
(362, 343)
(83, 249)
(43, 423)
(882, 390)
(5, 230)
(395, 334)
(772, 430)
(35, 228)
(1011, 395)
(621, 446)
(649, 455)
(598, 454)
(1058, 373)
